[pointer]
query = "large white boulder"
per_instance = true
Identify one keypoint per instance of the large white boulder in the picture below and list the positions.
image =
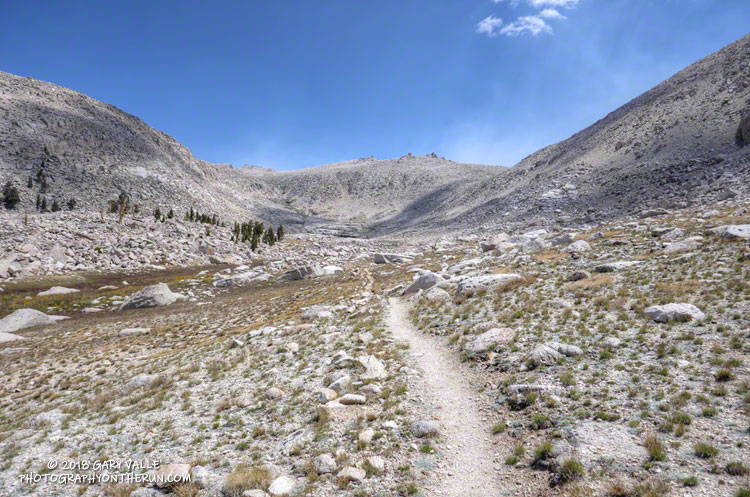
(282, 486)
(9, 337)
(423, 282)
(302, 273)
(493, 242)
(471, 286)
(392, 258)
(24, 318)
(57, 290)
(577, 247)
(489, 339)
(674, 312)
(151, 296)
(733, 232)
(544, 355)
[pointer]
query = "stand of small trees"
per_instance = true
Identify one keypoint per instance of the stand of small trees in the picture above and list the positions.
(197, 217)
(255, 232)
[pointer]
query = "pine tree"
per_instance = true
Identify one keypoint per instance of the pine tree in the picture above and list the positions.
(72, 204)
(43, 207)
(55, 206)
(157, 213)
(270, 237)
(30, 183)
(10, 196)
(170, 215)
(280, 233)
(123, 202)
(38, 201)
(254, 242)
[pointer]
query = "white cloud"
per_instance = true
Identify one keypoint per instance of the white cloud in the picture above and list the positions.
(551, 14)
(566, 4)
(532, 25)
(490, 26)
(539, 4)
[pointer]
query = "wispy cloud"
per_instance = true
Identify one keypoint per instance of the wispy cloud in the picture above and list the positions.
(566, 4)
(552, 14)
(533, 25)
(490, 26)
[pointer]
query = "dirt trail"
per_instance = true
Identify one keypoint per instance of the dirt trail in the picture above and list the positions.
(467, 470)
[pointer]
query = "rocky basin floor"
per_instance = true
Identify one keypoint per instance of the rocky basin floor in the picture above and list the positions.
(611, 360)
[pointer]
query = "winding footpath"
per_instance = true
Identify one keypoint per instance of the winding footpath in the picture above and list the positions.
(467, 467)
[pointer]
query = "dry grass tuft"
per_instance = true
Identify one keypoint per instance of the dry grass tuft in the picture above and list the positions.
(596, 281)
(247, 478)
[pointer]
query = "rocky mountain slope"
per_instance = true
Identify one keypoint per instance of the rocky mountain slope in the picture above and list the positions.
(383, 196)
(72, 146)
(677, 144)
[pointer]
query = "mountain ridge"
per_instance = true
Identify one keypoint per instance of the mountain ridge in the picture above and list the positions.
(671, 146)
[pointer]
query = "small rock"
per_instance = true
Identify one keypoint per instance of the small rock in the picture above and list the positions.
(350, 473)
(133, 331)
(282, 486)
(172, 474)
(425, 429)
(353, 399)
(324, 463)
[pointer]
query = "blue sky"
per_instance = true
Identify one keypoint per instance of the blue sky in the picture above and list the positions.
(289, 84)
